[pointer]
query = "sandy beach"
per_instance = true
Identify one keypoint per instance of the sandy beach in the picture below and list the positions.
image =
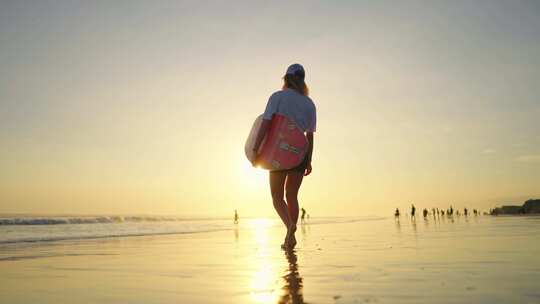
(464, 260)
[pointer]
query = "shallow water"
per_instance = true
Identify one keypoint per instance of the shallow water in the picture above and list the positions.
(36, 229)
(461, 260)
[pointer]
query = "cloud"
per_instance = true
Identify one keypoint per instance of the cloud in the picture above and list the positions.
(531, 158)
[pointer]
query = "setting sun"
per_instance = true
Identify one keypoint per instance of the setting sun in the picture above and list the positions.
(254, 178)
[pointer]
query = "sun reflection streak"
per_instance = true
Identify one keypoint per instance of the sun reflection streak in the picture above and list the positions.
(263, 285)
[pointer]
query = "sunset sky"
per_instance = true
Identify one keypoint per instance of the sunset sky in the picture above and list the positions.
(143, 107)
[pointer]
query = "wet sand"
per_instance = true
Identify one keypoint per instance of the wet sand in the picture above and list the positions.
(465, 260)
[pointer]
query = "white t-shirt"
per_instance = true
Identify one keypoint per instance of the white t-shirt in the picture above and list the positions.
(295, 106)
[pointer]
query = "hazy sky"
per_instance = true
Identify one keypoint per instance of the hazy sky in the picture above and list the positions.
(144, 106)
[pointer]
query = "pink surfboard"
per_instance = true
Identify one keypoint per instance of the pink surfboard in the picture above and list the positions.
(284, 146)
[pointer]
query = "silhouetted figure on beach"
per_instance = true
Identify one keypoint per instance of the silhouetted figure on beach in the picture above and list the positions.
(475, 212)
(396, 214)
(425, 213)
(413, 211)
(451, 210)
(236, 217)
(303, 216)
(465, 212)
(438, 212)
(442, 212)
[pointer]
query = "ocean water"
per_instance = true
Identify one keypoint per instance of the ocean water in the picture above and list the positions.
(39, 229)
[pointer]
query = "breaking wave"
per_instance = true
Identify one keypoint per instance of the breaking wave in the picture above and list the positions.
(85, 220)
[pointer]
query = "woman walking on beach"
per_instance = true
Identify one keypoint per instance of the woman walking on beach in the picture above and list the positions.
(292, 101)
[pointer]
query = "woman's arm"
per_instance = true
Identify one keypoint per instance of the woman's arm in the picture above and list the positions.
(265, 125)
(309, 153)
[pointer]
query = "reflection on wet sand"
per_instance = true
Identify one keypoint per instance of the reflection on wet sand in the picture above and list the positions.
(275, 280)
(436, 222)
(292, 286)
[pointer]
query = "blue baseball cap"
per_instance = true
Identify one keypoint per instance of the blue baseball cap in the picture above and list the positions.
(296, 69)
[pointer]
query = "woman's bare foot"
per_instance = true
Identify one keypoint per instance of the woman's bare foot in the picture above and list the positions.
(290, 238)
(292, 241)
(285, 244)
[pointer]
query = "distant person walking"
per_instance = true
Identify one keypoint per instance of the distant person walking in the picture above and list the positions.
(413, 211)
(396, 214)
(236, 216)
(291, 101)
(303, 217)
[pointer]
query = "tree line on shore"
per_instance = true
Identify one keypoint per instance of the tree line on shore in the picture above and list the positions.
(531, 206)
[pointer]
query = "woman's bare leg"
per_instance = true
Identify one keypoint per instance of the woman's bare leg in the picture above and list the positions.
(292, 186)
(277, 188)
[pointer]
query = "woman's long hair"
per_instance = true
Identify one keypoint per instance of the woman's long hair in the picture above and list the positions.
(295, 82)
